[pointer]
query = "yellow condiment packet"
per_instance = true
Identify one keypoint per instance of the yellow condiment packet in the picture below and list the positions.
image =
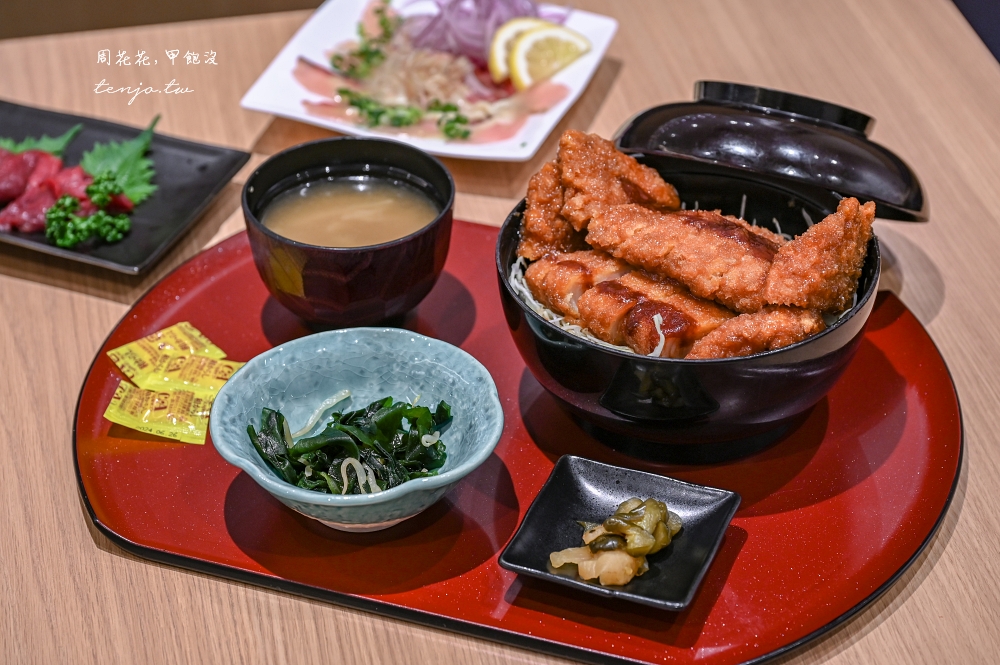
(136, 358)
(177, 414)
(181, 371)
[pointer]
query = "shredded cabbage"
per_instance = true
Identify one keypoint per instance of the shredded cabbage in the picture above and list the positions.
(520, 288)
(777, 225)
(658, 322)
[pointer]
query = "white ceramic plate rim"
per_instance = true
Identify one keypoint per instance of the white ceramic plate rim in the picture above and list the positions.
(279, 487)
(277, 92)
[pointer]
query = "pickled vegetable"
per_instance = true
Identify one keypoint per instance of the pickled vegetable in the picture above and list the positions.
(606, 543)
(638, 541)
(614, 567)
(615, 551)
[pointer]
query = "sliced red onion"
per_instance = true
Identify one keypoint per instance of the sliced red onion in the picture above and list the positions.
(466, 27)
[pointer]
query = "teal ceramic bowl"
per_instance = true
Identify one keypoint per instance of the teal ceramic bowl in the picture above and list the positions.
(295, 378)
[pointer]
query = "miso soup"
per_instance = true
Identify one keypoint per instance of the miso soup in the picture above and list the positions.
(349, 212)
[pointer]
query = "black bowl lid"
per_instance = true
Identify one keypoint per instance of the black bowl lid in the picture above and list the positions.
(783, 138)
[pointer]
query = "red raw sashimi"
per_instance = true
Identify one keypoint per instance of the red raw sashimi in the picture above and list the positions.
(27, 212)
(15, 169)
(41, 186)
(46, 166)
(74, 181)
(120, 203)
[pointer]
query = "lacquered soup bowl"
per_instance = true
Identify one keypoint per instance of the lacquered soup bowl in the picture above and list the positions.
(351, 286)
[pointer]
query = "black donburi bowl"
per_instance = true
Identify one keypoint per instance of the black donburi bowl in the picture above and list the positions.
(670, 401)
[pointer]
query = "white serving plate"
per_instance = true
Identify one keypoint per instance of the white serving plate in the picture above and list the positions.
(277, 92)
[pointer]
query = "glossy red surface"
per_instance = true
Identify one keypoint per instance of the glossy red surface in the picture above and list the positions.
(830, 514)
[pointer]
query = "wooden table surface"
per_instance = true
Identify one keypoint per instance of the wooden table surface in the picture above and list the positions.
(69, 595)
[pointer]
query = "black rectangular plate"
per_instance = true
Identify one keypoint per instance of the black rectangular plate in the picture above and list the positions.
(188, 176)
(581, 489)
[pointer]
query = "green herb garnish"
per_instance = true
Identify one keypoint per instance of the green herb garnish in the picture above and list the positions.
(65, 229)
(375, 113)
(127, 162)
(55, 146)
(104, 187)
(360, 62)
(402, 116)
(387, 442)
(108, 227)
(388, 24)
(454, 126)
(437, 106)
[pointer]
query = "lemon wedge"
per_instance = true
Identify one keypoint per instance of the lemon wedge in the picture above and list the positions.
(503, 38)
(540, 52)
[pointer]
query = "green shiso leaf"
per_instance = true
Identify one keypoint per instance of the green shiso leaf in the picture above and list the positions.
(55, 146)
(127, 161)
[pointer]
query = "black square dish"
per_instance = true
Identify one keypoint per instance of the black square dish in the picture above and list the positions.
(188, 176)
(580, 489)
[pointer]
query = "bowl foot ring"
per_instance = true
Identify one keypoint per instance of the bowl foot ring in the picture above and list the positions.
(696, 453)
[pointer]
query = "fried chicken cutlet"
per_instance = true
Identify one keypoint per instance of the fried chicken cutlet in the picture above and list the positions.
(624, 311)
(588, 174)
(544, 230)
(595, 175)
(717, 257)
(624, 292)
(820, 268)
(558, 280)
(770, 328)
(741, 266)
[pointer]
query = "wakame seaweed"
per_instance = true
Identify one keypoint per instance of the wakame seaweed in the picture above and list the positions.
(386, 443)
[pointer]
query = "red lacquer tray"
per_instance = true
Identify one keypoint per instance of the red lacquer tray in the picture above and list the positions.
(831, 515)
